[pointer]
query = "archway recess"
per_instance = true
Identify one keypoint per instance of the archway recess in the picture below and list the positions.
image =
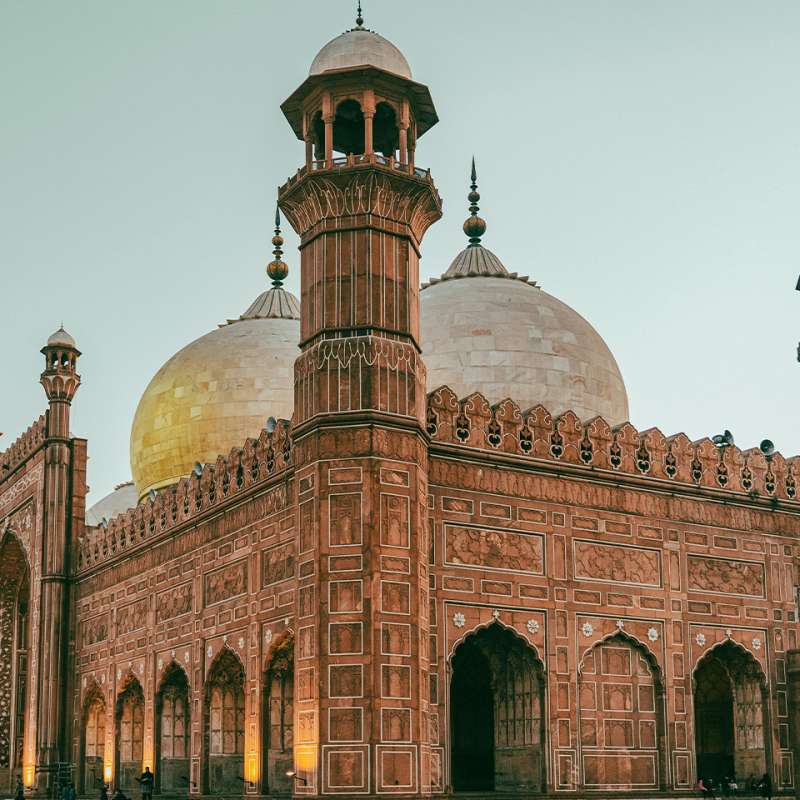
(14, 658)
(173, 726)
(496, 719)
(729, 712)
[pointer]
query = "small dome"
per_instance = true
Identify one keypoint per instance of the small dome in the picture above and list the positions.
(118, 502)
(360, 48)
(504, 337)
(212, 395)
(62, 338)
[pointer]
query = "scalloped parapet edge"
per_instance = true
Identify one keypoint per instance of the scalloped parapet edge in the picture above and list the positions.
(504, 427)
(19, 450)
(257, 461)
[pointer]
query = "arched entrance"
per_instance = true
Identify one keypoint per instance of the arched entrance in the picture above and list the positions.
(496, 719)
(621, 707)
(173, 724)
(277, 719)
(130, 734)
(93, 747)
(14, 649)
(224, 724)
(729, 714)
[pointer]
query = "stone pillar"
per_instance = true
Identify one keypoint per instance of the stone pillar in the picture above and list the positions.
(793, 696)
(60, 381)
(361, 482)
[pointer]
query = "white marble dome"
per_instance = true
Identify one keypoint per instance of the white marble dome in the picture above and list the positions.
(118, 502)
(217, 391)
(486, 331)
(360, 48)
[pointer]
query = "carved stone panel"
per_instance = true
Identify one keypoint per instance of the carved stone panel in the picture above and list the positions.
(616, 563)
(277, 564)
(394, 520)
(345, 519)
(174, 602)
(506, 550)
(132, 617)
(226, 582)
(724, 576)
(94, 630)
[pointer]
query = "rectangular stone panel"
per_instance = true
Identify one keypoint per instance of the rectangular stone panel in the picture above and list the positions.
(227, 582)
(397, 769)
(345, 519)
(395, 477)
(395, 597)
(344, 563)
(345, 680)
(345, 724)
(395, 639)
(396, 681)
(345, 770)
(396, 564)
(623, 770)
(174, 602)
(592, 598)
(725, 576)
(618, 733)
(277, 564)
(497, 587)
(345, 638)
(338, 475)
(345, 597)
(616, 563)
(496, 510)
(457, 505)
(495, 549)
(394, 520)
(534, 515)
(618, 528)
(307, 537)
(396, 724)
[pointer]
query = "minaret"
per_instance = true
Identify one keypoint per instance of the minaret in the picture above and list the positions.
(362, 683)
(60, 380)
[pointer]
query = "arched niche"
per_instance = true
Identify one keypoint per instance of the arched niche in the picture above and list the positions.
(129, 718)
(621, 717)
(730, 714)
(277, 716)
(348, 128)
(91, 774)
(173, 731)
(385, 130)
(224, 723)
(497, 726)
(14, 652)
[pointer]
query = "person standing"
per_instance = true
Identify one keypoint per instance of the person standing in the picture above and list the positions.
(766, 786)
(147, 783)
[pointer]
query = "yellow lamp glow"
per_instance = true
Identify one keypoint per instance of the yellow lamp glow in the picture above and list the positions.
(27, 774)
(252, 770)
(107, 772)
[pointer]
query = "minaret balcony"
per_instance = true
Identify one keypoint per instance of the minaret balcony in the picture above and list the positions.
(390, 163)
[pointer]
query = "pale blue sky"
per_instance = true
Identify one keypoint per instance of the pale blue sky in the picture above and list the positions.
(638, 159)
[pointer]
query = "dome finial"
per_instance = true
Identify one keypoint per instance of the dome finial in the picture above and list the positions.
(474, 227)
(277, 270)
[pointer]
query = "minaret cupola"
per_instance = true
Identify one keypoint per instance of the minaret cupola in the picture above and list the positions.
(359, 100)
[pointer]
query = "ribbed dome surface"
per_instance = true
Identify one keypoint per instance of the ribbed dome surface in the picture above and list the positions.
(504, 337)
(212, 395)
(360, 48)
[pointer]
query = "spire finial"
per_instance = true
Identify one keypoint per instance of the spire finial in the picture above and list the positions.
(277, 270)
(359, 18)
(474, 227)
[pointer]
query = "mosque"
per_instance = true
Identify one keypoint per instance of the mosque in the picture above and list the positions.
(393, 538)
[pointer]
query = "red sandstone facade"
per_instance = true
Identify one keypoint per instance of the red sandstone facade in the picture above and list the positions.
(398, 593)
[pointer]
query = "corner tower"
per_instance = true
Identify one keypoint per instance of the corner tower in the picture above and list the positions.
(361, 208)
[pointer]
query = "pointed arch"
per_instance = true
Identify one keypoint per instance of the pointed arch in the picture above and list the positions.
(92, 739)
(732, 712)
(224, 721)
(623, 635)
(465, 634)
(129, 718)
(172, 730)
(497, 720)
(277, 715)
(621, 707)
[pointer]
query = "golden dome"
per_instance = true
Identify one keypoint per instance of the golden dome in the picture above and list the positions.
(215, 392)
